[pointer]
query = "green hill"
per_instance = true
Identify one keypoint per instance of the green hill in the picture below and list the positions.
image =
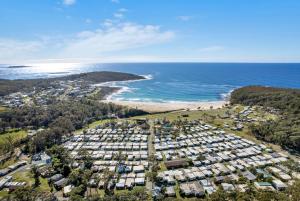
(286, 130)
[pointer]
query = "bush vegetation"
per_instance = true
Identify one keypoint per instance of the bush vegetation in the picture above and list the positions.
(286, 130)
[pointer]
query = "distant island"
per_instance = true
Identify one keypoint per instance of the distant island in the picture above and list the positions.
(18, 66)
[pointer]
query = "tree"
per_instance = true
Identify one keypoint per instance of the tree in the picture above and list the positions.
(36, 175)
(294, 191)
(25, 194)
(86, 158)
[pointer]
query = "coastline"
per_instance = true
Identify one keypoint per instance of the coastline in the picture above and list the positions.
(153, 107)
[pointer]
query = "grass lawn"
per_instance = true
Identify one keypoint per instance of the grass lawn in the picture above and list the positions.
(2, 108)
(44, 187)
(15, 135)
(26, 176)
(3, 193)
(8, 163)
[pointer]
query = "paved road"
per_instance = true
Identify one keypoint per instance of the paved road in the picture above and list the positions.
(149, 184)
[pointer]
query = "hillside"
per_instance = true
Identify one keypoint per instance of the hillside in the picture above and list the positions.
(285, 131)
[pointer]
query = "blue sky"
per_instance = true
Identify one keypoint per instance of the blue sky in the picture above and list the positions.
(149, 30)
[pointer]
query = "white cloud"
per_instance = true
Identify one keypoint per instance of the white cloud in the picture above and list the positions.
(11, 49)
(115, 1)
(214, 48)
(88, 21)
(118, 15)
(184, 17)
(123, 10)
(69, 2)
(113, 40)
(117, 37)
(108, 22)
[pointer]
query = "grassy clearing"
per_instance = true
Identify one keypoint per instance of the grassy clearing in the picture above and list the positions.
(11, 137)
(3, 109)
(15, 135)
(26, 176)
(44, 187)
(8, 163)
(3, 193)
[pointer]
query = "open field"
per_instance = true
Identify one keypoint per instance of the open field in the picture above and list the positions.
(26, 176)
(14, 136)
(2, 109)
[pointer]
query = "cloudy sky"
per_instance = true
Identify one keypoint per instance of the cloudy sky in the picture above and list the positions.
(149, 30)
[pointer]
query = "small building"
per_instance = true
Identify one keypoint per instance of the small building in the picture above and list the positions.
(179, 163)
(139, 181)
(121, 184)
(248, 175)
(56, 177)
(170, 192)
(138, 169)
(263, 186)
(279, 185)
(67, 190)
(41, 159)
(227, 187)
(4, 181)
(60, 183)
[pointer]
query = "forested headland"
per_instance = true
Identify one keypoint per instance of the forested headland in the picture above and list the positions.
(286, 130)
(12, 86)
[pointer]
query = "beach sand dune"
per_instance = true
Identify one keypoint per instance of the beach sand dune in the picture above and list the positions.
(169, 106)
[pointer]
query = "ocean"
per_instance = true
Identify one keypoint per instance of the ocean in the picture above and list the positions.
(171, 82)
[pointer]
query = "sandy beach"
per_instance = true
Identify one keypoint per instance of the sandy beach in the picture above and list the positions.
(163, 107)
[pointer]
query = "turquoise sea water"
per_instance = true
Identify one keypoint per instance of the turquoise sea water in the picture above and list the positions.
(169, 82)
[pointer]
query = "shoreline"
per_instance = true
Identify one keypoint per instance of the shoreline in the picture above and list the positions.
(153, 107)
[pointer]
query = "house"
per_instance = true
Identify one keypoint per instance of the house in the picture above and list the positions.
(121, 184)
(4, 181)
(227, 187)
(170, 192)
(13, 185)
(129, 183)
(279, 185)
(4, 172)
(67, 190)
(248, 175)
(60, 183)
(139, 168)
(41, 159)
(264, 186)
(139, 181)
(197, 189)
(185, 190)
(56, 177)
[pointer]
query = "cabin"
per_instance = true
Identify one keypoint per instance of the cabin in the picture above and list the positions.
(264, 186)
(170, 191)
(279, 185)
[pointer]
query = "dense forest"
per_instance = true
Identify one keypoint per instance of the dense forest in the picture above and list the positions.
(12, 86)
(60, 118)
(284, 131)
